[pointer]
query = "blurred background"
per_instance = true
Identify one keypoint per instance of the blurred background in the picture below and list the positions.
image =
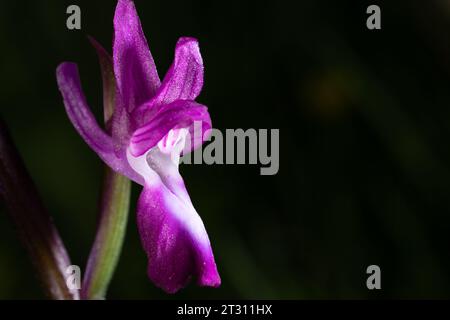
(364, 119)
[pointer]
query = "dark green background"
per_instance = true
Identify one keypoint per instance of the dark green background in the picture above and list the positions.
(364, 120)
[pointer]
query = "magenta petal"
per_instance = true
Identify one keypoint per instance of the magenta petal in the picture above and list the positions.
(78, 109)
(134, 67)
(178, 114)
(183, 81)
(85, 123)
(175, 240)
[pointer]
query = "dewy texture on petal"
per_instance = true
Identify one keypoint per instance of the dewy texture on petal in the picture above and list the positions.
(134, 67)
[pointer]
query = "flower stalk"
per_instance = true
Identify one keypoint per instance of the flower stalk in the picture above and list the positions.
(111, 231)
(34, 226)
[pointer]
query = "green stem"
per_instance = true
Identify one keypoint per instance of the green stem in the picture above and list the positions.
(111, 231)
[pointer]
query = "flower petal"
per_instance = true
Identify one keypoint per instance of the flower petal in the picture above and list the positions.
(78, 109)
(175, 240)
(178, 114)
(134, 67)
(183, 81)
(85, 123)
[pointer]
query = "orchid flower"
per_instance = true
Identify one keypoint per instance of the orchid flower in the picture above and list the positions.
(150, 127)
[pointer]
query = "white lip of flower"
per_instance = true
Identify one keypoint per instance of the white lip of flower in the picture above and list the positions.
(163, 159)
(159, 165)
(173, 143)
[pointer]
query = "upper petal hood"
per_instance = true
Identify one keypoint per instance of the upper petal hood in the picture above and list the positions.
(134, 67)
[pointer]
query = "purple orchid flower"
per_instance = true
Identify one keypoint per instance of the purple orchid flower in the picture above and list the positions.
(151, 126)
